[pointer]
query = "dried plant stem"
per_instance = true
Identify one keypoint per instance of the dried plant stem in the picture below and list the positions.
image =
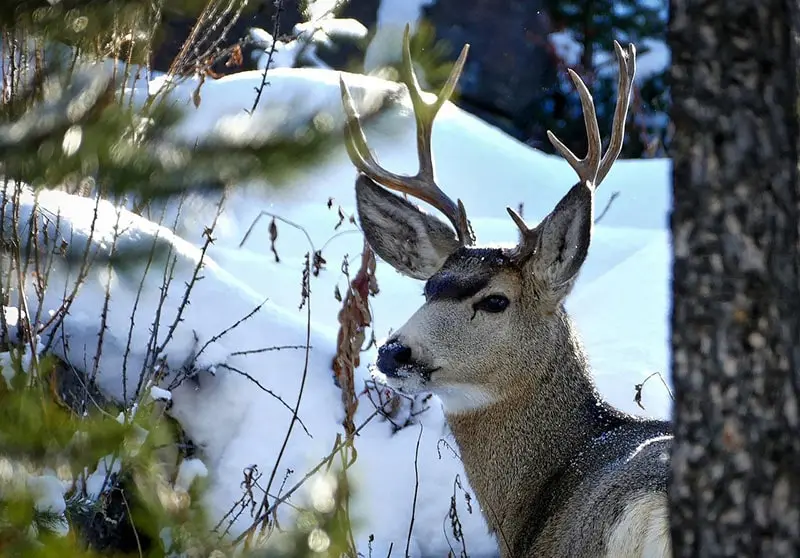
(286, 495)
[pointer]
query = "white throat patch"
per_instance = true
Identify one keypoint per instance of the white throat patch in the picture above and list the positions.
(463, 398)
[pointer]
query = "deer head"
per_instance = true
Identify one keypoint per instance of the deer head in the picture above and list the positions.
(490, 314)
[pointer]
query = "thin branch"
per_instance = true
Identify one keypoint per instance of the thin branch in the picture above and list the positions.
(133, 526)
(268, 391)
(270, 349)
(227, 330)
(614, 196)
(209, 239)
(299, 400)
(276, 22)
(342, 443)
(637, 397)
(106, 301)
(134, 309)
(292, 224)
(416, 491)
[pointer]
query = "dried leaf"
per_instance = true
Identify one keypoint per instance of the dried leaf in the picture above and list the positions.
(341, 218)
(236, 59)
(273, 236)
(305, 289)
(319, 262)
(196, 93)
(354, 318)
(637, 396)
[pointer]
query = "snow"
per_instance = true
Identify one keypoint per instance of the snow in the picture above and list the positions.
(159, 394)
(320, 29)
(218, 376)
(97, 481)
(385, 47)
(48, 493)
(46, 490)
(188, 472)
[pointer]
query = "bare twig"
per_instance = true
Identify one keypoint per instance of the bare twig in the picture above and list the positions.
(297, 404)
(292, 224)
(455, 521)
(209, 239)
(133, 526)
(268, 391)
(228, 329)
(416, 491)
(266, 513)
(614, 196)
(271, 349)
(152, 355)
(134, 309)
(106, 300)
(276, 27)
(251, 476)
(87, 260)
(637, 397)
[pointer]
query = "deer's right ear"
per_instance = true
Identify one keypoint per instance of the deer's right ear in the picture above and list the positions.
(414, 243)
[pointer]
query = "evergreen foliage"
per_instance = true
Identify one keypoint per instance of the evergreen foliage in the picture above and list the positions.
(67, 121)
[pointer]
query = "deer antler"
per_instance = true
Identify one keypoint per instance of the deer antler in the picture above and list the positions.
(423, 184)
(592, 169)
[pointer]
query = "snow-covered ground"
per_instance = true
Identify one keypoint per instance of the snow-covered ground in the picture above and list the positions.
(620, 303)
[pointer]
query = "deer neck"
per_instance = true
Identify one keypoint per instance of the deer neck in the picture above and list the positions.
(515, 449)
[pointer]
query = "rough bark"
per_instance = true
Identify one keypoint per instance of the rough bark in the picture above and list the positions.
(735, 489)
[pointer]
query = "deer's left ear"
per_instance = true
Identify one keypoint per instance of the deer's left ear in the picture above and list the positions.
(563, 242)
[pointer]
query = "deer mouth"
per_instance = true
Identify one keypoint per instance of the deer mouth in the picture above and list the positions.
(397, 367)
(408, 378)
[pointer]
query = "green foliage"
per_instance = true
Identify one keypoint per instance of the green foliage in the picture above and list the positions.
(62, 136)
(37, 427)
(40, 435)
(65, 122)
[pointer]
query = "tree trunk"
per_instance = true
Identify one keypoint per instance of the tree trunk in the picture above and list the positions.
(735, 489)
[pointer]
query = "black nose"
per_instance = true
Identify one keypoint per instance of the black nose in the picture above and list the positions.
(392, 356)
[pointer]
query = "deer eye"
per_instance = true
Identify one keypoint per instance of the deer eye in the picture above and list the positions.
(492, 303)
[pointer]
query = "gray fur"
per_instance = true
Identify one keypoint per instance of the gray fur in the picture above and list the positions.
(562, 241)
(414, 243)
(554, 467)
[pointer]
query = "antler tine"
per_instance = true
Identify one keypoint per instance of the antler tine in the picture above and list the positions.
(627, 71)
(422, 185)
(356, 142)
(424, 112)
(591, 169)
(588, 167)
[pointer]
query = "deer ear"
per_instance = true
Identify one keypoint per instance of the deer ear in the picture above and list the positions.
(414, 243)
(563, 242)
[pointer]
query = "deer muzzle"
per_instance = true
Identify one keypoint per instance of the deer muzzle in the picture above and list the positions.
(395, 360)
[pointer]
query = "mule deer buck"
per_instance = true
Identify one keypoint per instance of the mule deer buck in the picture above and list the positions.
(558, 471)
